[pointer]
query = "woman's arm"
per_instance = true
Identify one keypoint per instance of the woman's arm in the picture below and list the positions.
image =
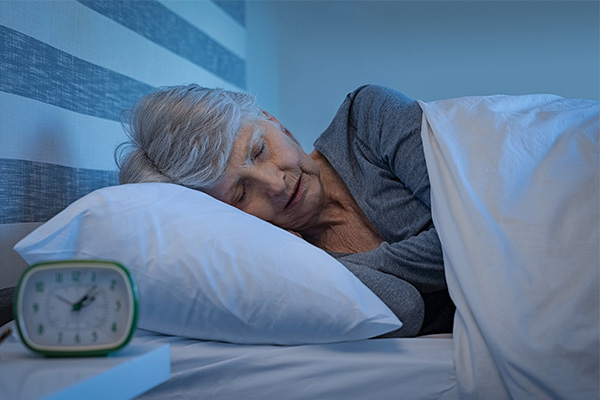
(374, 143)
(417, 260)
(400, 296)
(386, 125)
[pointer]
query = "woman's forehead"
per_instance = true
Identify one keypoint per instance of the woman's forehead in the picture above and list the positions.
(241, 153)
(242, 145)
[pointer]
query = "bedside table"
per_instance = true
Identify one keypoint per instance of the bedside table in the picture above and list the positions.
(122, 375)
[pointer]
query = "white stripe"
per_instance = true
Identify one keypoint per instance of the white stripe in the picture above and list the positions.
(46, 133)
(75, 29)
(212, 20)
(11, 264)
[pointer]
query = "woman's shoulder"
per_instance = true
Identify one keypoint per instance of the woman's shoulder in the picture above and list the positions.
(362, 119)
(377, 98)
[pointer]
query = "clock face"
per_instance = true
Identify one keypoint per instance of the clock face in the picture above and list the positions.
(76, 307)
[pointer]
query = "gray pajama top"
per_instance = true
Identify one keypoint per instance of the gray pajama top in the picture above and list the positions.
(374, 143)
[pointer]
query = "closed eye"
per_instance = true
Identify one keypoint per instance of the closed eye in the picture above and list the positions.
(240, 197)
(259, 149)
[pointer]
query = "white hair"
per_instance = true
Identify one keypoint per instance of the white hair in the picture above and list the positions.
(183, 135)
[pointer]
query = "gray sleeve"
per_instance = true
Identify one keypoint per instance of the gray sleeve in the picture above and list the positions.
(417, 260)
(388, 126)
(376, 136)
(400, 296)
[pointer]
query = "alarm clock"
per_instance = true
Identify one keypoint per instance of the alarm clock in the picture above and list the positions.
(76, 307)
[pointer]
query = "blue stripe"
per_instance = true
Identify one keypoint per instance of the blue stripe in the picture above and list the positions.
(36, 70)
(35, 192)
(235, 8)
(157, 23)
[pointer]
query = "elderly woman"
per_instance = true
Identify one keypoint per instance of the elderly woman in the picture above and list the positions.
(362, 195)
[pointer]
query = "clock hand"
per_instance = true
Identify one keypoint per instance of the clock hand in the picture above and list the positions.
(88, 300)
(64, 300)
(85, 300)
(84, 296)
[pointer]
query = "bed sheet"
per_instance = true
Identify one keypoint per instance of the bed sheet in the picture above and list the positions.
(415, 368)
(515, 200)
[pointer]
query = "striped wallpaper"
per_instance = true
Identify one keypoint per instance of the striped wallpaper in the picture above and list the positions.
(67, 70)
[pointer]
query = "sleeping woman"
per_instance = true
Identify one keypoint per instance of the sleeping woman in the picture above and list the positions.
(362, 194)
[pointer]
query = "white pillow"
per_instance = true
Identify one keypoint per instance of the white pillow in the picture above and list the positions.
(207, 270)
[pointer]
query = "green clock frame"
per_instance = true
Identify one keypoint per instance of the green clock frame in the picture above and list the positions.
(78, 353)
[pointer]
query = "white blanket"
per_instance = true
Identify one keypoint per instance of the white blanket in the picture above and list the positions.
(515, 199)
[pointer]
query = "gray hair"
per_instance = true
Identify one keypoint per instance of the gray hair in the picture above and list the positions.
(183, 135)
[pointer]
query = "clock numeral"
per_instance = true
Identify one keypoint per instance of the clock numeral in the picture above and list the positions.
(113, 284)
(59, 277)
(93, 276)
(95, 336)
(36, 307)
(39, 286)
(75, 275)
(77, 338)
(40, 329)
(60, 337)
(118, 306)
(114, 327)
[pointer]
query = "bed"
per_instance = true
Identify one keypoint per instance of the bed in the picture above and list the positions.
(252, 311)
(416, 368)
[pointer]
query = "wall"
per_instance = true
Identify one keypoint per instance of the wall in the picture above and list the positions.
(68, 68)
(262, 53)
(429, 50)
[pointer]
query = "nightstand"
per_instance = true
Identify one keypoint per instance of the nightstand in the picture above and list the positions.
(122, 375)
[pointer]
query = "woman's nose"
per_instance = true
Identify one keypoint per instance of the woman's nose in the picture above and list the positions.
(271, 180)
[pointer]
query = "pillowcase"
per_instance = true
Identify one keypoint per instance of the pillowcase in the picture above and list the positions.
(207, 270)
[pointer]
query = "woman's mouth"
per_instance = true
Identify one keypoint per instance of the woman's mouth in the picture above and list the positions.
(296, 194)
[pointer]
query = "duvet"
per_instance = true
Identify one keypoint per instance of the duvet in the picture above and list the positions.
(515, 200)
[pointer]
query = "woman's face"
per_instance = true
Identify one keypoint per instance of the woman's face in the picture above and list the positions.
(269, 176)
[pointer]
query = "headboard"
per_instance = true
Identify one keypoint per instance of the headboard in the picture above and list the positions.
(67, 70)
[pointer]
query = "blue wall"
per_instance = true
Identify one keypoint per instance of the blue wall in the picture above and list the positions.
(67, 70)
(429, 50)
